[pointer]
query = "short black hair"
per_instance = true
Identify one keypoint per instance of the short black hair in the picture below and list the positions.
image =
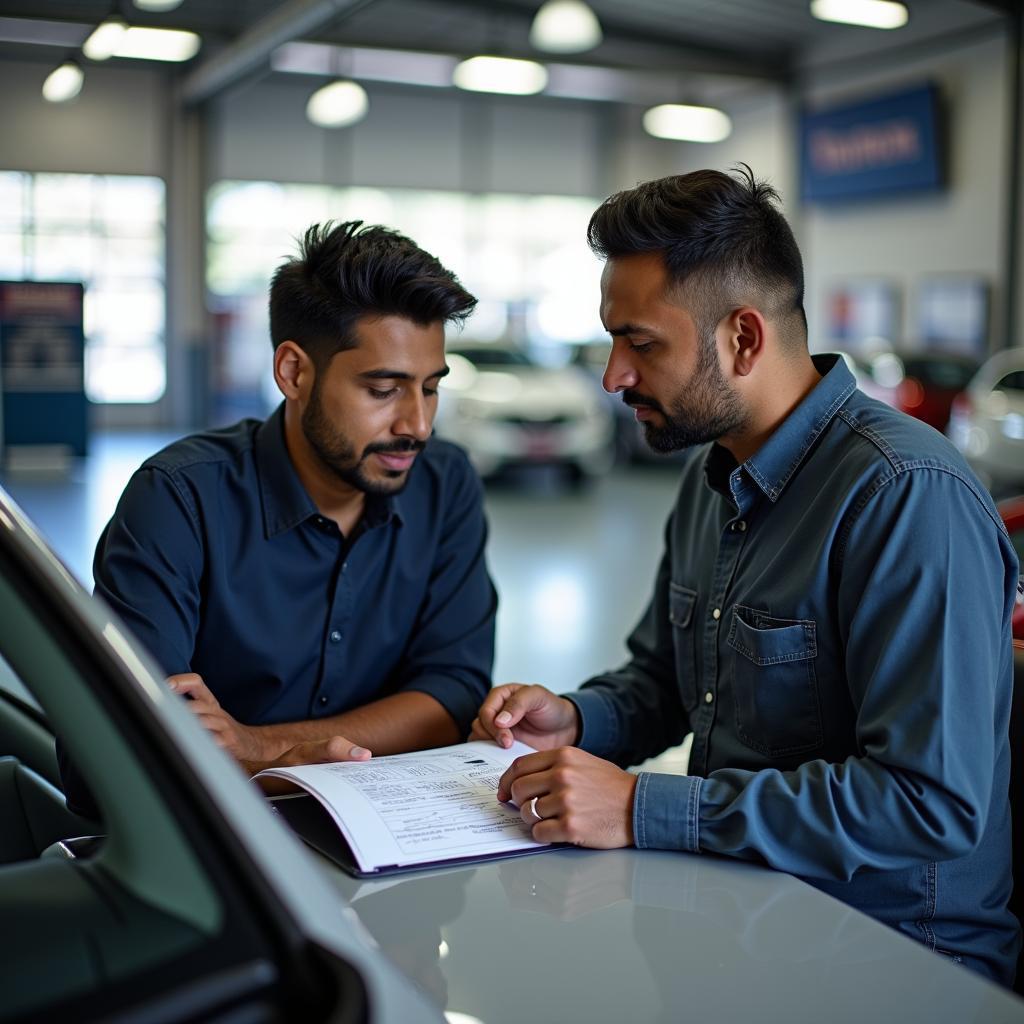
(722, 237)
(345, 272)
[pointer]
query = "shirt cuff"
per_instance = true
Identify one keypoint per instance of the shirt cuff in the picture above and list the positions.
(459, 699)
(599, 722)
(666, 811)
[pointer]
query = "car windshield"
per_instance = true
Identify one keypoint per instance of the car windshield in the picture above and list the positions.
(483, 356)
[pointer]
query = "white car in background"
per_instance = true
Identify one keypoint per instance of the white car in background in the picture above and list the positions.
(505, 409)
(987, 422)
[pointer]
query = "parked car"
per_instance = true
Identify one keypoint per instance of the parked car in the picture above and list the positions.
(505, 410)
(921, 384)
(987, 422)
(190, 901)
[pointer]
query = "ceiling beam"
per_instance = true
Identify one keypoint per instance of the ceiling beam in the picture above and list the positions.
(252, 48)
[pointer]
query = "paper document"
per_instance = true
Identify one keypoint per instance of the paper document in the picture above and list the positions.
(420, 808)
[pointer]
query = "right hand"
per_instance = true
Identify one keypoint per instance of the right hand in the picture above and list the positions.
(530, 714)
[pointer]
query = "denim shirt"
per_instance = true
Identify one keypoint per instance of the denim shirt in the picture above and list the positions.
(831, 619)
(219, 562)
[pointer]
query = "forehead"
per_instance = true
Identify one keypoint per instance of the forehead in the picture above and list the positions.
(637, 287)
(395, 343)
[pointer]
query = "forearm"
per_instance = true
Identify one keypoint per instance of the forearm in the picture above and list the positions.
(391, 725)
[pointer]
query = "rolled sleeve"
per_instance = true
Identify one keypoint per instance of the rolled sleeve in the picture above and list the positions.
(666, 812)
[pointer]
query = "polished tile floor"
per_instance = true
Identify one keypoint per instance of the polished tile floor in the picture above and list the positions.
(573, 567)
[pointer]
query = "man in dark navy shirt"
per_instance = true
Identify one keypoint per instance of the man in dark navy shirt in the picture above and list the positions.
(315, 583)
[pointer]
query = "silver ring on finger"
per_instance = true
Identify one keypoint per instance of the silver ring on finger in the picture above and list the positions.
(533, 809)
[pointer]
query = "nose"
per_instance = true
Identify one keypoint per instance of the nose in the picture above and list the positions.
(415, 419)
(619, 374)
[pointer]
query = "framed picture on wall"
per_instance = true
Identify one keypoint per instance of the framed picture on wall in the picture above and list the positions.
(953, 313)
(863, 315)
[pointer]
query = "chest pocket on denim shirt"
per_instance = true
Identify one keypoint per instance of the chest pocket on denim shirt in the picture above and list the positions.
(681, 601)
(774, 685)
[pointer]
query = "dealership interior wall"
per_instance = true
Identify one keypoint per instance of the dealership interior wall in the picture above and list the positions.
(130, 121)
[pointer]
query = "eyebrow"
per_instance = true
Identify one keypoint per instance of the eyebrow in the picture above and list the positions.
(623, 329)
(385, 374)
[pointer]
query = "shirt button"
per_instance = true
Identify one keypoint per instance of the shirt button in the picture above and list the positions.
(717, 613)
(739, 526)
(708, 697)
(321, 700)
(335, 637)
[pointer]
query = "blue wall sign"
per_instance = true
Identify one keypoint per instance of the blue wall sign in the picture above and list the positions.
(42, 349)
(889, 146)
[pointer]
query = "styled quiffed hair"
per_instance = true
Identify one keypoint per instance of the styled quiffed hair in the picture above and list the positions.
(723, 239)
(348, 271)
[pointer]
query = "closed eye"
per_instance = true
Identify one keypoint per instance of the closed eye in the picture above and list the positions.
(377, 393)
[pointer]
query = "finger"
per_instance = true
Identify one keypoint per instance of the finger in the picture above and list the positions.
(536, 808)
(191, 685)
(527, 765)
(493, 705)
(336, 748)
(519, 704)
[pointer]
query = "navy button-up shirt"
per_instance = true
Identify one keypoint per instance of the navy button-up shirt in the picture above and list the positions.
(831, 619)
(219, 562)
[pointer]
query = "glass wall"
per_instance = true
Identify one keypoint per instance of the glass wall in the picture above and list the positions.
(524, 257)
(106, 231)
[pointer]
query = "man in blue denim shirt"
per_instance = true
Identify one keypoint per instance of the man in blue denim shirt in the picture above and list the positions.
(831, 617)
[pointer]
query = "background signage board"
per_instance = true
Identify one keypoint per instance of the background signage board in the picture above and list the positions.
(42, 380)
(889, 146)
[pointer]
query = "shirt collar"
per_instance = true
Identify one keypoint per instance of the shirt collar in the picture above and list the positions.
(286, 503)
(775, 462)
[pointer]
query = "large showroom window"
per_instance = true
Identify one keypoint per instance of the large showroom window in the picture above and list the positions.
(524, 257)
(106, 231)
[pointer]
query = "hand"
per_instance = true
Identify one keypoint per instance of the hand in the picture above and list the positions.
(328, 751)
(243, 742)
(581, 799)
(530, 714)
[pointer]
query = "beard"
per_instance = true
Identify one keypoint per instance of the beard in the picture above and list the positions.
(337, 453)
(704, 410)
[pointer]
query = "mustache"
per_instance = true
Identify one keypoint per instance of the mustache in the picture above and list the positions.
(634, 398)
(400, 447)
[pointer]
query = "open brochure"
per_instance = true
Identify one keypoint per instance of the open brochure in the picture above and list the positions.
(431, 807)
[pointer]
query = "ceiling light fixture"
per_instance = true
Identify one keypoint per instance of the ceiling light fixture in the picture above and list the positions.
(102, 44)
(63, 83)
(502, 75)
(170, 44)
(565, 26)
(338, 105)
(157, 5)
(867, 13)
(685, 123)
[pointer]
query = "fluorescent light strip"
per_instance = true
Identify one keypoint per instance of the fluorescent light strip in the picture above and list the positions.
(501, 75)
(885, 14)
(685, 123)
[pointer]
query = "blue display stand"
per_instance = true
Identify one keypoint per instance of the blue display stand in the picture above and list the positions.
(42, 373)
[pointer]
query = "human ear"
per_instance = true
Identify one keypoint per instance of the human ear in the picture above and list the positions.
(293, 370)
(747, 331)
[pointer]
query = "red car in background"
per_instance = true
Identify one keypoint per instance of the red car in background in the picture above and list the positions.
(1012, 511)
(921, 384)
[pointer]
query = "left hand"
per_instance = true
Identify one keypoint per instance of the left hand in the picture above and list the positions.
(581, 799)
(243, 742)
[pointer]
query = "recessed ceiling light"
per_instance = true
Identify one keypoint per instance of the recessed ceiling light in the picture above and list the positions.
(565, 26)
(337, 105)
(63, 83)
(867, 13)
(502, 75)
(686, 123)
